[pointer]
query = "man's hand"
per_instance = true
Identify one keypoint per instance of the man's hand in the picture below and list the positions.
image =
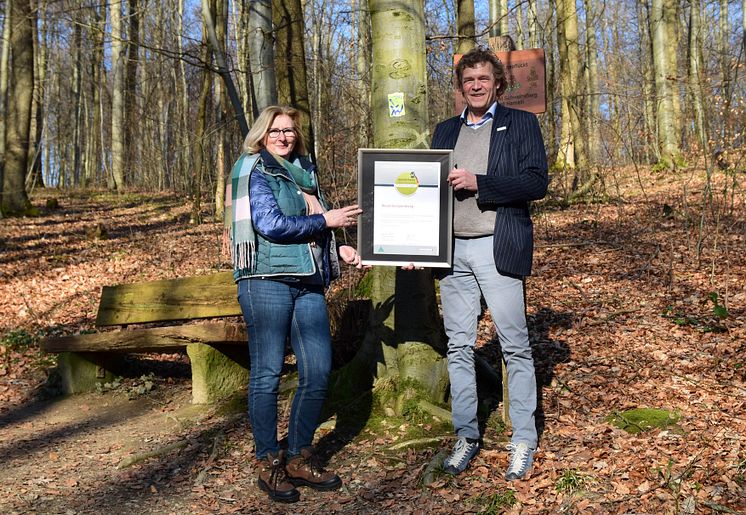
(350, 256)
(462, 179)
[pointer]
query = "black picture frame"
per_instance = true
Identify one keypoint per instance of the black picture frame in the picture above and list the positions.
(432, 207)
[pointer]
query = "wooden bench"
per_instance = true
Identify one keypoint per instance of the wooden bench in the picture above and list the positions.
(217, 348)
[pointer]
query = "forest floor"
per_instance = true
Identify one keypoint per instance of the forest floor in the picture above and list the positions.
(636, 302)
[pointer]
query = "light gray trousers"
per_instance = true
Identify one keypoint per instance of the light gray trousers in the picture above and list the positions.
(474, 274)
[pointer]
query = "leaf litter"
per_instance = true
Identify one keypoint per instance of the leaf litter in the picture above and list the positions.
(622, 316)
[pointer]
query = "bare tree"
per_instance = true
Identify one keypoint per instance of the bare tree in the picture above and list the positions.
(667, 141)
(695, 65)
(572, 154)
(261, 54)
(290, 61)
(4, 69)
(21, 84)
(118, 71)
(593, 93)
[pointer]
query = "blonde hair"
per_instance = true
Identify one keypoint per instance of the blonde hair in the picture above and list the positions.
(254, 141)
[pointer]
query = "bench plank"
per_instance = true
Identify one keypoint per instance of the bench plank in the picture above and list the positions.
(156, 339)
(197, 297)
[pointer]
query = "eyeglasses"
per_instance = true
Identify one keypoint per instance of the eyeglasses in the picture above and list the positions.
(275, 133)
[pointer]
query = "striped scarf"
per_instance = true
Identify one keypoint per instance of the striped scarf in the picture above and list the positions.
(242, 237)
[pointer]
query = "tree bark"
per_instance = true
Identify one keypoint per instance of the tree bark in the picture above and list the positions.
(21, 83)
(593, 93)
(221, 103)
(648, 81)
(4, 72)
(465, 26)
(533, 24)
(570, 63)
(199, 151)
(77, 84)
(132, 116)
(363, 63)
(290, 62)
(671, 19)
(667, 141)
(499, 18)
(403, 346)
(261, 54)
(118, 71)
(695, 65)
(725, 68)
(217, 45)
(95, 164)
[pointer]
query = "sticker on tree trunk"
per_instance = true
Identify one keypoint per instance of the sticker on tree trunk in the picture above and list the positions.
(396, 105)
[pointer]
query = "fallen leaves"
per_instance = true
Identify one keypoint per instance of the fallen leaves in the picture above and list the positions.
(606, 275)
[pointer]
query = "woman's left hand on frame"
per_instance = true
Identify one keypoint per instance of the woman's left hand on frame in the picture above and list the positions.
(350, 256)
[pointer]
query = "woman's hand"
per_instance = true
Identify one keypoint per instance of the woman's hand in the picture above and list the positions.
(342, 217)
(350, 256)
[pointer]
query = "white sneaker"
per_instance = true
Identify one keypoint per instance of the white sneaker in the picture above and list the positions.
(521, 459)
(460, 457)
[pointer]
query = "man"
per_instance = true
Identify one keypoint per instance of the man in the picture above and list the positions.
(500, 165)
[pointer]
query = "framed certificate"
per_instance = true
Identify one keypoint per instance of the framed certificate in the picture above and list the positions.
(407, 207)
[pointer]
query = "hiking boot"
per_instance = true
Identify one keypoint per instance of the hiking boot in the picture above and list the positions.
(462, 453)
(521, 459)
(273, 480)
(305, 470)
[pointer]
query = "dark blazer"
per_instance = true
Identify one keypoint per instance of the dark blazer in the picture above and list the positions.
(516, 174)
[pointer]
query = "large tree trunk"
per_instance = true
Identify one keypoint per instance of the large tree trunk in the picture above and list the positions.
(402, 352)
(216, 37)
(667, 140)
(261, 55)
(533, 24)
(499, 18)
(725, 68)
(94, 163)
(221, 104)
(290, 62)
(548, 121)
(34, 176)
(465, 26)
(363, 63)
(185, 163)
(200, 153)
(4, 72)
(18, 134)
(133, 123)
(118, 70)
(671, 21)
(593, 113)
(570, 63)
(695, 65)
(77, 84)
(648, 82)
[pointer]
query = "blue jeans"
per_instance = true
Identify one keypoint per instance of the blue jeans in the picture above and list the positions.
(273, 311)
(474, 274)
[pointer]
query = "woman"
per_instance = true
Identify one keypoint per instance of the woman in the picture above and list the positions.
(284, 256)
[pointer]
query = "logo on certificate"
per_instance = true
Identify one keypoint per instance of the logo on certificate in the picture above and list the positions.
(406, 183)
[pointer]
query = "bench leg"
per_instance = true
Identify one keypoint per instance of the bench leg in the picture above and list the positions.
(217, 372)
(81, 372)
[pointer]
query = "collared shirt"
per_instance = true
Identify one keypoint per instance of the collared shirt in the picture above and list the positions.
(489, 115)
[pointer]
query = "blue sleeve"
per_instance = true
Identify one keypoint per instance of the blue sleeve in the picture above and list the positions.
(525, 176)
(272, 223)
